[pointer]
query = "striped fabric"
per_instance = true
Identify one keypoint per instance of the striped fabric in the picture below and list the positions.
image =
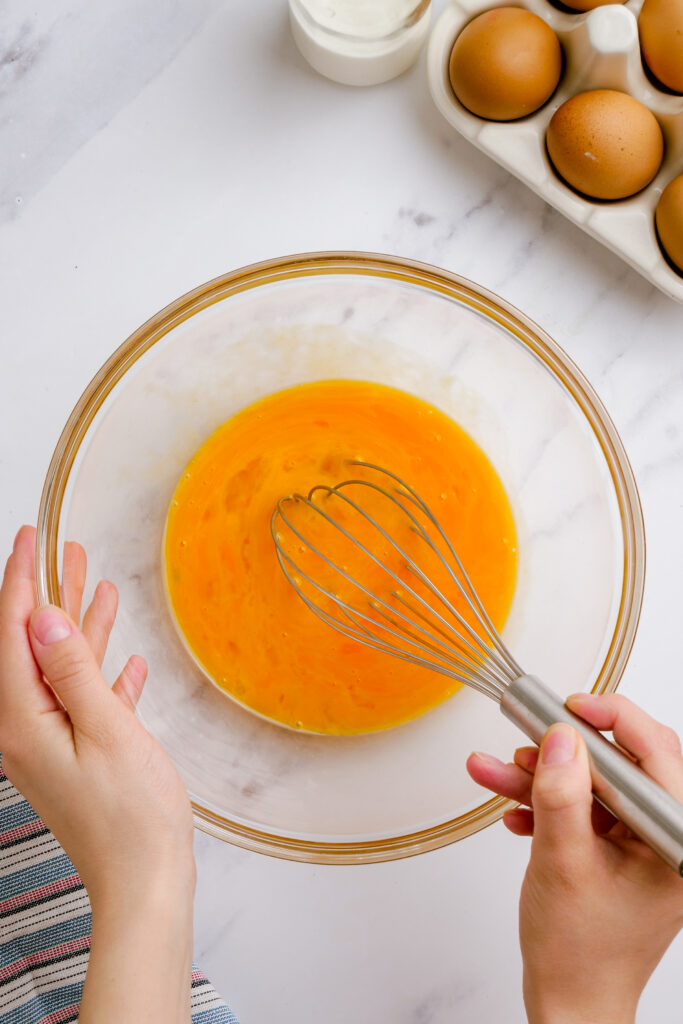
(45, 926)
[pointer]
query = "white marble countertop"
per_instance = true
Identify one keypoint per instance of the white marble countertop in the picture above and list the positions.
(146, 147)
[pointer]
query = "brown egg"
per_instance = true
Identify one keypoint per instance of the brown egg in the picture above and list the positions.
(588, 5)
(660, 25)
(505, 64)
(605, 144)
(669, 221)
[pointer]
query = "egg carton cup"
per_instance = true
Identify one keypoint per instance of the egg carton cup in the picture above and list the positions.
(601, 51)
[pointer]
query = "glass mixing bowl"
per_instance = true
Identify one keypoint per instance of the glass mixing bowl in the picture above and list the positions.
(349, 315)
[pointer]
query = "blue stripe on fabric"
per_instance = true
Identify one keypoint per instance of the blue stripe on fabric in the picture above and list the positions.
(35, 876)
(40, 1006)
(46, 938)
(219, 1015)
(50, 870)
(32, 850)
(16, 814)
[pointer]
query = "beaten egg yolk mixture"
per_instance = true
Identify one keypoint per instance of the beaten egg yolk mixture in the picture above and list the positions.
(240, 617)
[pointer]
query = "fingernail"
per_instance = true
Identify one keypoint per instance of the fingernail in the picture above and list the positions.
(526, 757)
(487, 758)
(582, 698)
(559, 745)
(50, 626)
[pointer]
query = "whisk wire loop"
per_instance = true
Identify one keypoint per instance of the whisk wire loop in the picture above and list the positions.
(359, 632)
(438, 637)
(469, 665)
(477, 643)
(477, 647)
(444, 651)
(463, 584)
(489, 670)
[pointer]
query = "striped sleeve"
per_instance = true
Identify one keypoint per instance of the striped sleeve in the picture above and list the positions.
(45, 926)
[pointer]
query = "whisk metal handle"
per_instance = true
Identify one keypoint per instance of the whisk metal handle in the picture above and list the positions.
(619, 784)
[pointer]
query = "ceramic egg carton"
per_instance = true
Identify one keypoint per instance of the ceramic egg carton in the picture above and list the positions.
(601, 51)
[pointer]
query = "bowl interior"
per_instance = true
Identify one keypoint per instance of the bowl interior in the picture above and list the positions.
(302, 795)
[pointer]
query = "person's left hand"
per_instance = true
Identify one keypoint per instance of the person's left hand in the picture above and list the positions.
(74, 747)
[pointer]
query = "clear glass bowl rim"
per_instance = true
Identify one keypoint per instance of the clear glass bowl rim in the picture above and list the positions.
(441, 282)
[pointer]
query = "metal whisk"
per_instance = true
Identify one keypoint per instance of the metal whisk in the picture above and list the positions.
(413, 618)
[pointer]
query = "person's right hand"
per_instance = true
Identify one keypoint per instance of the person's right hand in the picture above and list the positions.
(598, 908)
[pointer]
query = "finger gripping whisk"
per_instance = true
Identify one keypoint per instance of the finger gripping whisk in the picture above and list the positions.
(370, 558)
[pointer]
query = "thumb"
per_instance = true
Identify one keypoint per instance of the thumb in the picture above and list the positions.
(561, 795)
(67, 662)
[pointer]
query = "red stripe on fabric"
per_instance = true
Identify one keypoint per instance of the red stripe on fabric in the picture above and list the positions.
(21, 831)
(197, 975)
(2, 774)
(57, 1016)
(52, 889)
(35, 959)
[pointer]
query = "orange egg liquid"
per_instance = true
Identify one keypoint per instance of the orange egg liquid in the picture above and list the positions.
(240, 617)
